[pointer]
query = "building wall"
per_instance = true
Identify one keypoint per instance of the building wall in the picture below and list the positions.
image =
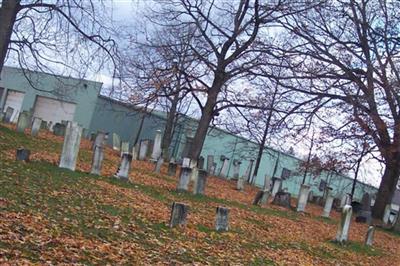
(81, 92)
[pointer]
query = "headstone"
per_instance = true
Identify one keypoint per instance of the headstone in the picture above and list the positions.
(125, 166)
(328, 205)
(236, 169)
(43, 125)
(222, 219)
(213, 167)
(186, 162)
(240, 184)
(50, 126)
(267, 183)
(200, 183)
(71, 144)
(210, 161)
(59, 129)
(144, 146)
(99, 139)
(8, 115)
(303, 198)
(98, 153)
(156, 153)
(23, 121)
(345, 200)
(310, 196)
(36, 125)
(344, 225)
(187, 146)
(172, 169)
(364, 215)
(124, 147)
(396, 226)
(247, 174)
(116, 142)
(261, 197)
(276, 186)
(159, 163)
(179, 212)
(23, 154)
(386, 214)
(282, 199)
(200, 162)
(184, 179)
(135, 152)
(224, 168)
(369, 238)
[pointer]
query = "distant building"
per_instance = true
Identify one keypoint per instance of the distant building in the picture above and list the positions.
(56, 98)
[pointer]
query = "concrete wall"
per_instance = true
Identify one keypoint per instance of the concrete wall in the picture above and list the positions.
(81, 92)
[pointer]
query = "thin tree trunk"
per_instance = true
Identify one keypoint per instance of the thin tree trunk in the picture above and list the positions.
(8, 14)
(386, 189)
(140, 128)
(168, 131)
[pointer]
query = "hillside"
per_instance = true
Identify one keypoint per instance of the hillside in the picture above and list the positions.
(49, 215)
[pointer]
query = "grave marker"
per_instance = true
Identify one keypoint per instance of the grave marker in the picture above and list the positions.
(71, 144)
(23, 154)
(222, 219)
(369, 238)
(23, 121)
(156, 153)
(36, 125)
(200, 182)
(184, 179)
(125, 166)
(179, 212)
(344, 225)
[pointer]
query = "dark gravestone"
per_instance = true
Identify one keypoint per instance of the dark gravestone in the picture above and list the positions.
(8, 115)
(261, 197)
(282, 199)
(364, 214)
(43, 125)
(23, 155)
(200, 163)
(179, 212)
(200, 183)
(336, 204)
(172, 169)
(318, 200)
(222, 219)
(59, 129)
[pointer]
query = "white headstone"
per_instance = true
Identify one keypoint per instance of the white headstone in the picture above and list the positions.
(72, 140)
(344, 225)
(328, 205)
(36, 124)
(276, 186)
(124, 147)
(303, 198)
(369, 238)
(224, 168)
(116, 142)
(157, 146)
(144, 146)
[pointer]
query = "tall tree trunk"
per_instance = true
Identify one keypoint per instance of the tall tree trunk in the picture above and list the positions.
(206, 117)
(8, 14)
(386, 189)
(167, 137)
(144, 114)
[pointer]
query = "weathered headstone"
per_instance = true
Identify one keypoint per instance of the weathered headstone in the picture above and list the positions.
(267, 183)
(200, 163)
(364, 215)
(23, 121)
(187, 146)
(184, 179)
(344, 225)
(159, 163)
(144, 146)
(282, 199)
(345, 200)
(261, 197)
(186, 162)
(71, 144)
(396, 226)
(369, 238)
(116, 140)
(43, 125)
(98, 153)
(200, 183)
(222, 219)
(125, 166)
(224, 168)
(210, 161)
(36, 125)
(240, 184)
(135, 151)
(247, 174)
(276, 186)
(310, 196)
(179, 212)
(213, 168)
(59, 129)
(124, 147)
(386, 214)
(8, 115)
(156, 153)
(328, 205)
(303, 198)
(172, 169)
(236, 169)
(23, 154)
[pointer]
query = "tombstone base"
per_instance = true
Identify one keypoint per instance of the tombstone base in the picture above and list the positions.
(23, 155)
(282, 199)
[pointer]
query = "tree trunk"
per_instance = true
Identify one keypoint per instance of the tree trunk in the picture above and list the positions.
(140, 128)
(8, 14)
(167, 137)
(206, 117)
(386, 189)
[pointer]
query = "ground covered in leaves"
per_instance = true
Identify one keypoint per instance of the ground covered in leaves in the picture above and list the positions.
(50, 215)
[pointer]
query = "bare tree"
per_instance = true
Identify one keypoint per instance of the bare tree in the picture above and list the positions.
(348, 53)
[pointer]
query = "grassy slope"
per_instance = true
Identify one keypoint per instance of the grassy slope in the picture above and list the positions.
(49, 214)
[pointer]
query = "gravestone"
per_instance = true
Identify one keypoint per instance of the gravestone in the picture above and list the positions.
(50, 126)
(124, 147)
(125, 166)
(98, 153)
(236, 169)
(144, 147)
(342, 235)
(386, 214)
(283, 199)
(224, 168)
(43, 125)
(345, 200)
(172, 169)
(310, 196)
(277, 182)
(36, 125)
(222, 219)
(303, 198)
(187, 146)
(156, 153)
(23, 154)
(396, 226)
(200, 183)
(213, 168)
(210, 161)
(247, 174)
(116, 141)
(159, 163)
(59, 129)
(179, 212)
(135, 151)
(8, 115)
(200, 162)
(23, 121)
(369, 238)
(328, 205)
(261, 197)
(71, 144)
(240, 184)
(267, 183)
(186, 162)
(184, 179)
(364, 215)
